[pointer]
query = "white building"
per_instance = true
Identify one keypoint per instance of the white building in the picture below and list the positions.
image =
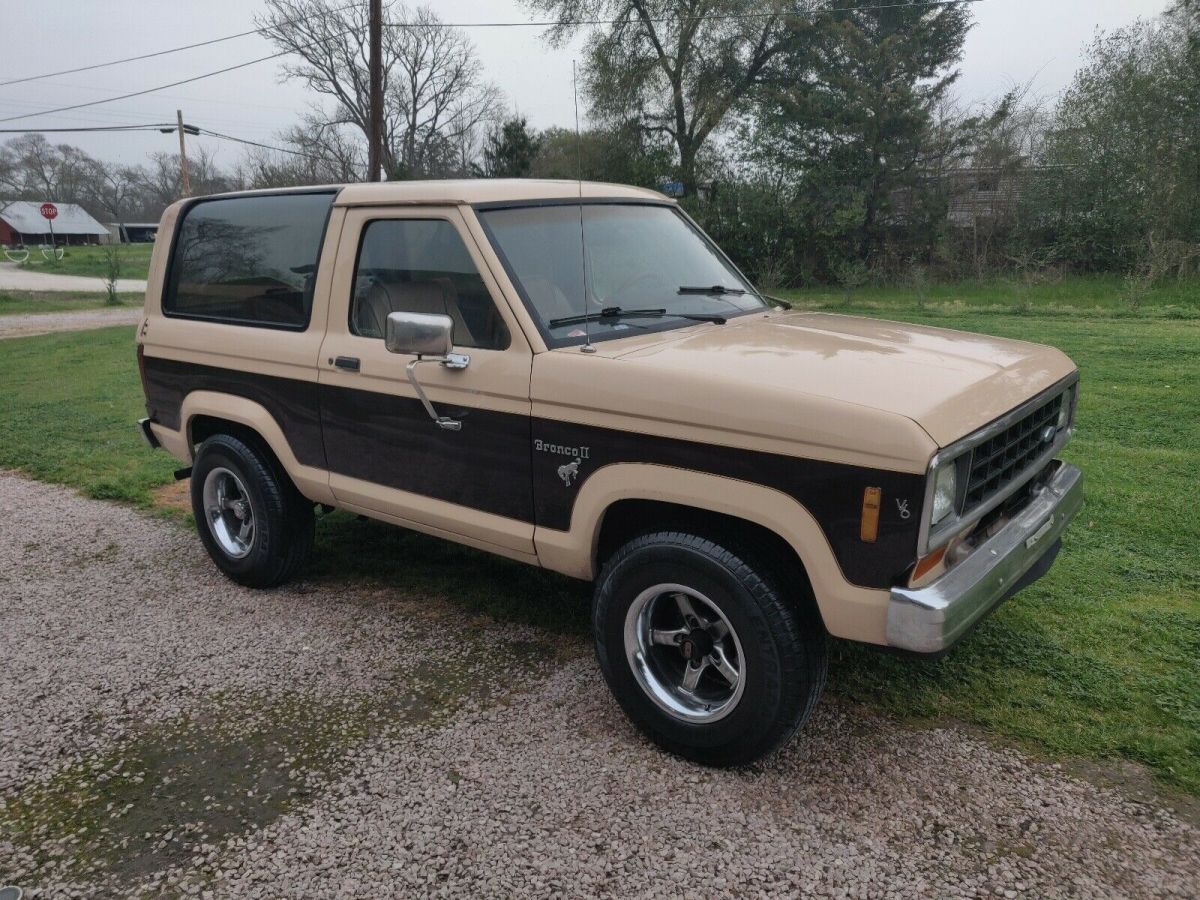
(21, 222)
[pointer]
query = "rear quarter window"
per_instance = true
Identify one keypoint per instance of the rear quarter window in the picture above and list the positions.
(248, 260)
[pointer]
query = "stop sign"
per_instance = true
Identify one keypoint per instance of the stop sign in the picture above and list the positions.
(49, 211)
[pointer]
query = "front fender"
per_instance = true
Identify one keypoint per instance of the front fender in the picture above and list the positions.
(848, 611)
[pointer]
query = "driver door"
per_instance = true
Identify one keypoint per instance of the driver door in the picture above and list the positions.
(386, 455)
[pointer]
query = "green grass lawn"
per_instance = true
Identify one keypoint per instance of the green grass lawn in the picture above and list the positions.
(135, 261)
(1070, 295)
(1098, 660)
(19, 302)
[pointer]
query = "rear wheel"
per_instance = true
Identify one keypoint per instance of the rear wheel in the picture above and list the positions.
(704, 650)
(256, 526)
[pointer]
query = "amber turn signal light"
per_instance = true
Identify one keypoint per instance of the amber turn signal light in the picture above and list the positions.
(924, 566)
(869, 529)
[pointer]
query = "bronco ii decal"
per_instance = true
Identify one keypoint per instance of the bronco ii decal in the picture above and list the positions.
(568, 472)
(580, 453)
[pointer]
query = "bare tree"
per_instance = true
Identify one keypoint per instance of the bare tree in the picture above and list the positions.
(111, 188)
(160, 183)
(441, 95)
(9, 176)
(434, 91)
(36, 169)
(321, 152)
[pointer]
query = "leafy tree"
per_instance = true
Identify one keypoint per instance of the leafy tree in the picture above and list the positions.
(624, 155)
(1124, 145)
(854, 134)
(763, 234)
(510, 150)
(678, 68)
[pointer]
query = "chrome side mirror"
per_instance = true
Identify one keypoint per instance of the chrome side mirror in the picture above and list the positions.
(421, 334)
(429, 337)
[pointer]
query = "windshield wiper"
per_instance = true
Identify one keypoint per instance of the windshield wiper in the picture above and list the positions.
(612, 313)
(717, 289)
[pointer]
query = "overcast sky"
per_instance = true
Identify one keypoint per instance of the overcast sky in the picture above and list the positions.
(1013, 41)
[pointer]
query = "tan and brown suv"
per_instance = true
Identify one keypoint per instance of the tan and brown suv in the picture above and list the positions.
(574, 376)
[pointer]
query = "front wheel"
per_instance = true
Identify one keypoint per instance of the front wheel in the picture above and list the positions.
(256, 526)
(704, 651)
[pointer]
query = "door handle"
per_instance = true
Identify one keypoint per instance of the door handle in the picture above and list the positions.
(349, 363)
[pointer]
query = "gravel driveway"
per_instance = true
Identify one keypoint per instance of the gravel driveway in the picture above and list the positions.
(14, 278)
(162, 731)
(26, 325)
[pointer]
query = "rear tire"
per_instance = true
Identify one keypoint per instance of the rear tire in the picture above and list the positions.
(253, 522)
(704, 650)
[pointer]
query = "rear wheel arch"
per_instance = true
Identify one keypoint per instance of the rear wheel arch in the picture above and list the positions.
(205, 413)
(202, 426)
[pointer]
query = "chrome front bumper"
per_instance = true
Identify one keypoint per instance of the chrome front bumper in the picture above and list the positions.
(932, 618)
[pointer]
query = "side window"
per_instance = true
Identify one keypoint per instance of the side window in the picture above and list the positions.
(248, 260)
(422, 265)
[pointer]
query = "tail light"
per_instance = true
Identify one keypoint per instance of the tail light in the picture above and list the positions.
(141, 359)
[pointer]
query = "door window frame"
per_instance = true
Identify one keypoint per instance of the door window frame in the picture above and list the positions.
(359, 217)
(362, 237)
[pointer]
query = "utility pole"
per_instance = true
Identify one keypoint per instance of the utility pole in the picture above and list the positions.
(375, 150)
(183, 166)
(184, 181)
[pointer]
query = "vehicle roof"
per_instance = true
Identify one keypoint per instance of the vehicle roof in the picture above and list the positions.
(459, 191)
(487, 190)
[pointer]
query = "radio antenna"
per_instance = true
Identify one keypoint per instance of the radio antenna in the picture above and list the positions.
(587, 331)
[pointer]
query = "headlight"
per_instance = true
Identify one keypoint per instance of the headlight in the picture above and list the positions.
(945, 488)
(1064, 411)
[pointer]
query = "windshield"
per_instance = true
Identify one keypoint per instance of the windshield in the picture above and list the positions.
(647, 268)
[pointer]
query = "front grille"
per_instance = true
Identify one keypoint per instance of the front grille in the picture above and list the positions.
(1007, 456)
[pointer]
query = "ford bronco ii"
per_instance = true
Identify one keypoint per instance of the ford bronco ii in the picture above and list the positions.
(574, 376)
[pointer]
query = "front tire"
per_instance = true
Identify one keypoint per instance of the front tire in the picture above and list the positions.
(253, 522)
(704, 650)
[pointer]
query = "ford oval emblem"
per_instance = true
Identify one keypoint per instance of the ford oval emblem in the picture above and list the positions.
(1048, 434)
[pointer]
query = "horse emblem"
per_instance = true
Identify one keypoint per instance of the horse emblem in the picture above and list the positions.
(569, 472)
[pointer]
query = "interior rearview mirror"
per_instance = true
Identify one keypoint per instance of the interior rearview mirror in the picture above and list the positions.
(421, 334)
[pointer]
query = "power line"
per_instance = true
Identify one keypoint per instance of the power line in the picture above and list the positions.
(230, 137)
(252, 62)
(161, 87)
(147, 127)
(158, 127)
(129, 59)
(659, 20)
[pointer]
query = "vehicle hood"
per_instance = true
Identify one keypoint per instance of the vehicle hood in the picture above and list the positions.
(948, 382)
